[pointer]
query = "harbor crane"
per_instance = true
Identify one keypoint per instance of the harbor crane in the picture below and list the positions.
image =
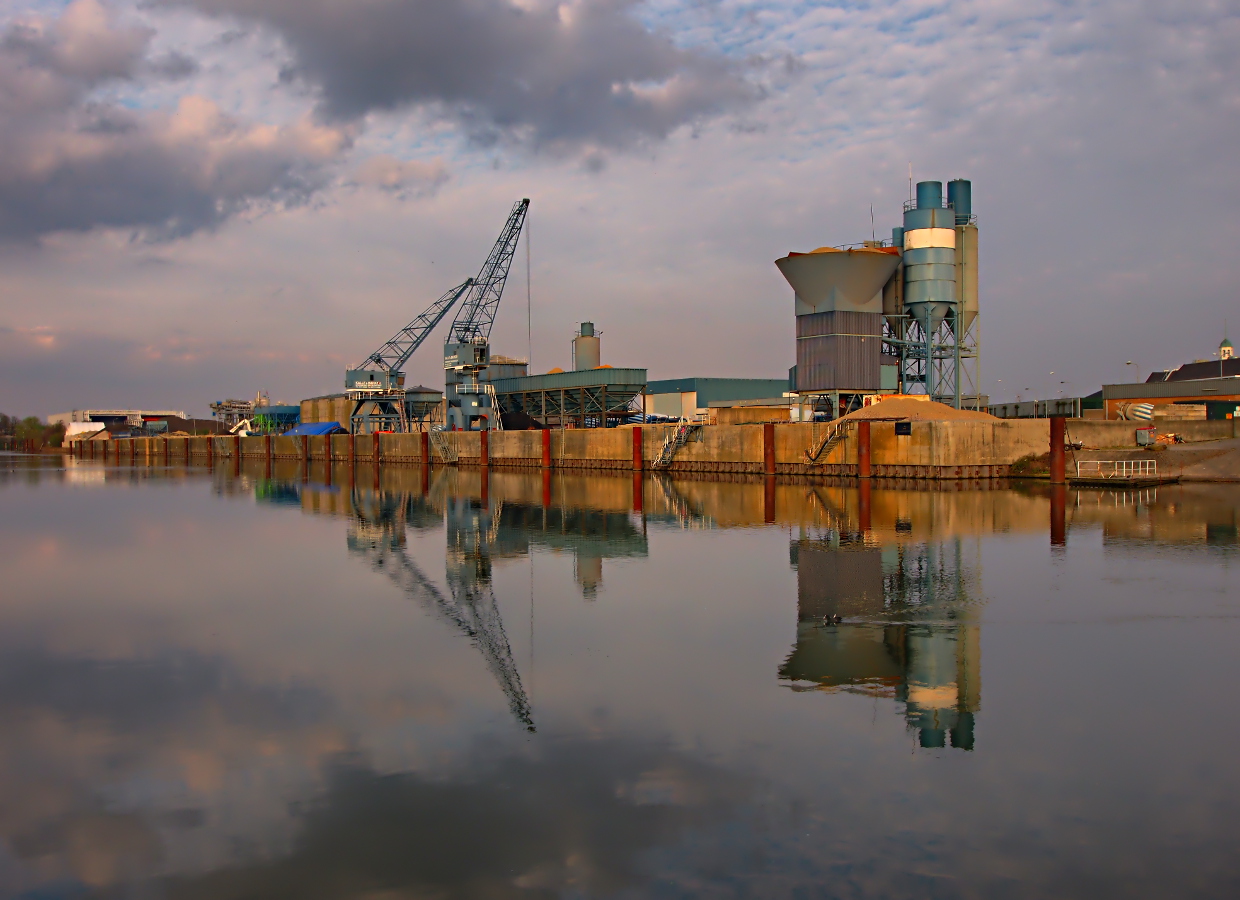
(467, 351)
(377, 385)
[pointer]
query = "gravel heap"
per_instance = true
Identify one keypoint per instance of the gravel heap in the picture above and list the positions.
(917, 411)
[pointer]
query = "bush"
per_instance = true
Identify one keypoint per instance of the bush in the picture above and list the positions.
(1032, 465)
(33, 429)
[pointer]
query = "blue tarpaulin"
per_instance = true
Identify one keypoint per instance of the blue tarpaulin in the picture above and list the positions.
(316, 428)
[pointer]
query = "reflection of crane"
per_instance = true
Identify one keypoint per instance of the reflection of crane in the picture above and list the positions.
(378, 534)
(377, 386)
(467, 351)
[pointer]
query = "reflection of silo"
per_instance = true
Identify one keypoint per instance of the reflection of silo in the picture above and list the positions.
(588, 571)
(960, 198)
(586, 348)
(839, 310)
(930, 257)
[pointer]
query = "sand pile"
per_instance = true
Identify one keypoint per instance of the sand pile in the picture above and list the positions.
(917, 411)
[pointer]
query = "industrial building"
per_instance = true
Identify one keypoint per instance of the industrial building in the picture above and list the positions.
(132, 418)
(592, 395)
(257, 416)
(1203, 389)
(693, 398)
(898, 317)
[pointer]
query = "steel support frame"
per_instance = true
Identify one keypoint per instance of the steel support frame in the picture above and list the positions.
(947, 369)
(581, 407)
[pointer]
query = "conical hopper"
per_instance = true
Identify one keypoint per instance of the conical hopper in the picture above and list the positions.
(831, 280)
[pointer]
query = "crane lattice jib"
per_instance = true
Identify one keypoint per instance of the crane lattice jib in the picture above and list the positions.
(393, 355)
(477, 314)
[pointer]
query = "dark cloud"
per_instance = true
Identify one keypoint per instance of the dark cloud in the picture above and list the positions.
(72, 163)
(552, 74)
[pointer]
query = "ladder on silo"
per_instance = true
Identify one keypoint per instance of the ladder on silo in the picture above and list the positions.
(673, 442)
(834, 436)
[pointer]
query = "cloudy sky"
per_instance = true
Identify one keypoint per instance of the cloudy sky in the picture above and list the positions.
(203, 198)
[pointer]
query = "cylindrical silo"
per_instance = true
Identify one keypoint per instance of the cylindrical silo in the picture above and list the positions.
(929, 257)
(960, 199)
(893, 290)
(586, 353)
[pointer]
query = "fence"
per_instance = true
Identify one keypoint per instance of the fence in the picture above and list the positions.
(1117, 468)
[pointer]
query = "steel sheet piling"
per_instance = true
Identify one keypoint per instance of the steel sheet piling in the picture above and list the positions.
(863, 449)
(863, 504)
(1059, 508)
(1058, 462)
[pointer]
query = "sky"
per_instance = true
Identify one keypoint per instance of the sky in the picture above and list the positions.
(201, 199)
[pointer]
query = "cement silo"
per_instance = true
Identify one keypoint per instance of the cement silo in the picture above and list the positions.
(929, 258)
(899, 317)
(839, 316)
(960, 199)
(586, 350)
(936, 338)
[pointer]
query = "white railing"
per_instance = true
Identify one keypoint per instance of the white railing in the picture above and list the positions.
(1117, 468)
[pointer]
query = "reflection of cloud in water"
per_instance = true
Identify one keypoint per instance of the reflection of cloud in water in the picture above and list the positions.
(179, 770)
(572, 816)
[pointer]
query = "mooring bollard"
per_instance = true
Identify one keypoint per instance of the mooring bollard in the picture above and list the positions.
(863, 449)
(1058, 462)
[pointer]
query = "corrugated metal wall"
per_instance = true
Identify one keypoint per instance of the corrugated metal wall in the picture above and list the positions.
(839, 351)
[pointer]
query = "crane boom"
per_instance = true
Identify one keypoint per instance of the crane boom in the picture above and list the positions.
(477, 314)
(393, 355)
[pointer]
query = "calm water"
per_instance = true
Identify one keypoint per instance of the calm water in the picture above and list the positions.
(276, 684)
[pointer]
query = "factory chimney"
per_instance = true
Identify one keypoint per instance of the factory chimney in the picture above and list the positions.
(586, 348)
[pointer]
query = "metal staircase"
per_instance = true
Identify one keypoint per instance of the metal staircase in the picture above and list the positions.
(673, 442)
(443, 447)
(834, 436)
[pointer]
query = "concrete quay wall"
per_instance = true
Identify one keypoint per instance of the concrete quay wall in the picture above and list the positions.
(948, 449)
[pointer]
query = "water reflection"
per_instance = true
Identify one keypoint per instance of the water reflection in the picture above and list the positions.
(207, 693)
(377, 534)
(891, 620)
